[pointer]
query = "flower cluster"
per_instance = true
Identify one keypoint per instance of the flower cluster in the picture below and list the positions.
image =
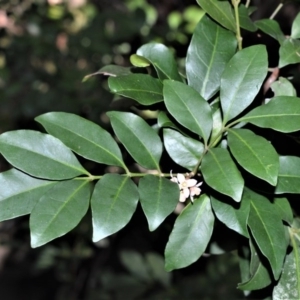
(188, 187)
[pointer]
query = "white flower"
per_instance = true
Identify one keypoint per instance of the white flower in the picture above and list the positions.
(188, 187)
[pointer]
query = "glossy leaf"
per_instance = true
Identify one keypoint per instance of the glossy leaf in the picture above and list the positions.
(191, 233)
(233, 215)
(162, 59)
(283, 87)
(245, 20)
(217, 125)
(184, 104)
(255, 154)
(242, 79)
(289, 52)
(271, 28)
(113, 203)
(220, 11)
(282, 113)
(268, 231)
(19, 193)
(288, 175)
(159, 197)
(288, 286)
(284, 209)
(28, 150)
(59, 211)
(296, 28)
(110, 70)
(185, 151)
(144, 89)
(83, 137)
(140, 140)
(220, 173)
(260, 276)
(210, 49)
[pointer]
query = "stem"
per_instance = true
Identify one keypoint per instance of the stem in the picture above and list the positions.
(278, 8)
(247, 3)
(239, 38)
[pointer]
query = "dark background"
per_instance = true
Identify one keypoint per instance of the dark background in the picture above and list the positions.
(46, 48)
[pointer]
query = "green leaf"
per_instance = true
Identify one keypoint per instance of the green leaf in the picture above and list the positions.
(162, 59)
(268, 231)
(139, 61)
(271, 28)
(110, 70)
(19, 193)
(282, 113)
(159, 197)
(140, 140)
(144, 89)
(163, 120)
(233, 215)
(190, 236)
(220, 173)
(185, 151)
(289, 52)
(288, 175)
(288, 286)
(184, 104)
(259, 274)
(245, 20)
(40, 155)
(209, 51)
(242, 79)
(113, 203)
(83, 137)
(296, 28)
(284, 209)
(283, 87)
(59, 211)
(255, 154)
(220, 11)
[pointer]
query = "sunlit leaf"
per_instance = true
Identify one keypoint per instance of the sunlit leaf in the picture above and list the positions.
(221, 11)
(210, 49)
(113, 203)
(289, 52)
(184, 104)
(83, 137)
(144, 89)
(268, 231)
(242, 79)
(19, 193)
(139, 61)
(59, 211)
(190, 235)
(288, 175)
(185, 151)
(255, 154)
(159, 197)
(282, 113)
(110, 70)
(220, 173)
(140, 140)
(40, 155)
(162, 59)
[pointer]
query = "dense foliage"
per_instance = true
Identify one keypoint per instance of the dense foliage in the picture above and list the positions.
(212, 151)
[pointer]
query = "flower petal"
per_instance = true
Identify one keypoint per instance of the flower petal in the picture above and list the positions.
(181, 178)
(191, 182)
